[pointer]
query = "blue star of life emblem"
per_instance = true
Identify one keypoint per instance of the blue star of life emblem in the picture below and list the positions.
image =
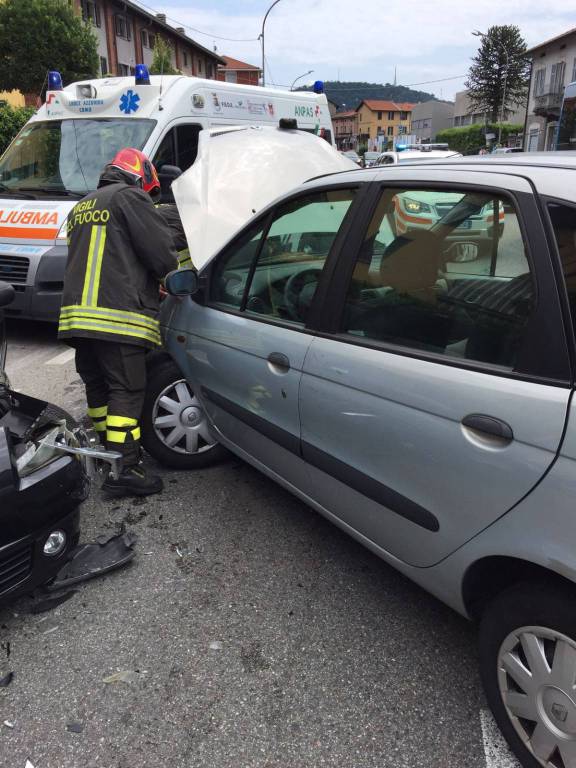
(129, 102)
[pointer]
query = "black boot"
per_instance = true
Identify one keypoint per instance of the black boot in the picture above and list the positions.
(133, 481)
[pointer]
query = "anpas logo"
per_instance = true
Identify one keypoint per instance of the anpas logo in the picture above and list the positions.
(303, 111)
(129, 102)
(28, 217)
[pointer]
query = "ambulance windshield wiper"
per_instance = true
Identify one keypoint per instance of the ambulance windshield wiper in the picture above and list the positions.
(4, 190)
(55, 191)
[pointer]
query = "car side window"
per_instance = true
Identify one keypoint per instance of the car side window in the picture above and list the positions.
(293, 254)
(563, 219)
(231, 271)
(443, 271)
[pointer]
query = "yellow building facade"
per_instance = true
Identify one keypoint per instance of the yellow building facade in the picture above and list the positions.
(384, 119)
(13, 98)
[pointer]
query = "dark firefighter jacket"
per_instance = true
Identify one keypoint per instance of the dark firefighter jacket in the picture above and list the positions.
(119, 248)
(172, 218)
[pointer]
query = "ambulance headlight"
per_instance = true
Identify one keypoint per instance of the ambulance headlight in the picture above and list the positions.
(62, 236)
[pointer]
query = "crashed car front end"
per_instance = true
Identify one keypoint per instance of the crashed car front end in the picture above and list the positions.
(44, 478)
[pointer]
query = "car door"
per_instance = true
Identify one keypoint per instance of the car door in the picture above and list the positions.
(436, 397)
(249, 341)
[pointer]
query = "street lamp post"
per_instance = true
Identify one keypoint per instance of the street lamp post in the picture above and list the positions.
(262, 38)
(300, 78)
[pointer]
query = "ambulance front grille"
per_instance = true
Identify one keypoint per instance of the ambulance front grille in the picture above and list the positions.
(14, 269)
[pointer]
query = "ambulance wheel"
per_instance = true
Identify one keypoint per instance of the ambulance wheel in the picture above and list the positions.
(174, 424)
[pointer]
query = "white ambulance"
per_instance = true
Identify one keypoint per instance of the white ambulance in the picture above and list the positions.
(58, 156)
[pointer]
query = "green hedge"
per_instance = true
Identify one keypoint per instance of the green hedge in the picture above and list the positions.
(470, 138)
(11, 120)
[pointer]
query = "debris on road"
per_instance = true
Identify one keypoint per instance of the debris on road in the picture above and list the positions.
(216, 645)
(8, 724)
(125, 676)
(75, 727)
(6, 680)
(95, 559)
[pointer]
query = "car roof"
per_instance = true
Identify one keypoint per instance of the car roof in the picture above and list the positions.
(548, 172)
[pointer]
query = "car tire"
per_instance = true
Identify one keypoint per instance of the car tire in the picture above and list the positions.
(527, 661)
(165, 381)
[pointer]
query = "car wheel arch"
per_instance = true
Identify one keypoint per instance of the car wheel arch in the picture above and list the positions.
(490, 576)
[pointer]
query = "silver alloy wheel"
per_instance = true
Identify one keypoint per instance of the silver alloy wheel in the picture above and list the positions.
(537, 680)
(179, 420)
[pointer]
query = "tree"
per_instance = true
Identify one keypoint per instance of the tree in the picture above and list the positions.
(11, 120)
(39, 35)
(498, 78)
(162, 58)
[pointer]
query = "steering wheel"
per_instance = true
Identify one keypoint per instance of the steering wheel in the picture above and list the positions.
(299, 292)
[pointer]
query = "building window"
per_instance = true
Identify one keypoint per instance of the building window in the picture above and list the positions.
(185, 55)
(144, 38)
(457, 120)
(557, 77)
(379, 115)
(391, 117)
(122, 27)
(103, 65)
(539, 80)
(231, 77)
(151, 40)
(123, 70)
(390, 130)
(403, 115)
(209, 70)
(199, 66)
(90, 12)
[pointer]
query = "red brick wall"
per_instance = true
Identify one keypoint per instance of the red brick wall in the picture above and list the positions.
(243, 77)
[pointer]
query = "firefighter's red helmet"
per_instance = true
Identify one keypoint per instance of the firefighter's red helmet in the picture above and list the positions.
(136, 163)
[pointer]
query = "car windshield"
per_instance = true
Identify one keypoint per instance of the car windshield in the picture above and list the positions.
(67, 156)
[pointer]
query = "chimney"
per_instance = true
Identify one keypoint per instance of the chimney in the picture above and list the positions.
(181, 30)
(161, 17)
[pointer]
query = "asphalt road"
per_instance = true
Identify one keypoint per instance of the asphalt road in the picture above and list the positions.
(256, 634)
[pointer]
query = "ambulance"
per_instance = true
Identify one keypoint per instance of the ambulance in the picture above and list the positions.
(58, 156)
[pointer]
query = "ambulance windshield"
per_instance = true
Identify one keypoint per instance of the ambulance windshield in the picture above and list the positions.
(67, 156)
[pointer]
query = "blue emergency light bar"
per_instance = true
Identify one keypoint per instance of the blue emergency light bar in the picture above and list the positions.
(318, 86)
(54, 81)
(141, 74)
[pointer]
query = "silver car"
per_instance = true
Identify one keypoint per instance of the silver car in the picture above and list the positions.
(421, 401)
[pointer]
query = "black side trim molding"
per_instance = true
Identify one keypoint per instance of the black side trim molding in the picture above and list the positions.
(371, 488)
(341, 471)
(278, 435)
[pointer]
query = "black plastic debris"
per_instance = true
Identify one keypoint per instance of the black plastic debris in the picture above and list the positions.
(87, 561)
(75, 727)
(47, 602)
(6, 680)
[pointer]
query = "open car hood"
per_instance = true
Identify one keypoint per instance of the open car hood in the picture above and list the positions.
(238, 172)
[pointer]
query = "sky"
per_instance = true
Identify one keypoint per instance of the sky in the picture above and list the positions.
(425, 40)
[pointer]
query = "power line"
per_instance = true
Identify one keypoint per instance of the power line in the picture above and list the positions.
(199, 31)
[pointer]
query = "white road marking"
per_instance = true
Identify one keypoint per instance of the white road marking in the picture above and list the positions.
(64, 357)
(496, 751)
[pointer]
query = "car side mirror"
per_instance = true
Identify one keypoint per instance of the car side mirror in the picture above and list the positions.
(7, 293)
(182, 282)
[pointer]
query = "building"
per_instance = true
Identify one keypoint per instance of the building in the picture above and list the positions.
(464, 113)
(553, 68)
(126, 35)
(429, 117)
(345, 129)
(380, 122)
(235, 71)
(13, 98)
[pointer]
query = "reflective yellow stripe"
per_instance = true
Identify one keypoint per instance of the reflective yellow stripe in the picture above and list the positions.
(89, 265)
(108, 313)
(184, 259)
(98, 413)
(121, 421)
(108, 326)
(116, 437)
(136, 434)
(98, 269)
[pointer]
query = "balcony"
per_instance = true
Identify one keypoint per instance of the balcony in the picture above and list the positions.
(549, 102)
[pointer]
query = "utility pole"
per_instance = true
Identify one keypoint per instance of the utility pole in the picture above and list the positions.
(262, 39)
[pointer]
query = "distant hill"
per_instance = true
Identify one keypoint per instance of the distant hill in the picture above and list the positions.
(349, 95)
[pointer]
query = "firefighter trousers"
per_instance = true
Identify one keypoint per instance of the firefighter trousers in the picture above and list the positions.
(115, 379)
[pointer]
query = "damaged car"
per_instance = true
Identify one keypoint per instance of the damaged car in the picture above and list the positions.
(45, 466)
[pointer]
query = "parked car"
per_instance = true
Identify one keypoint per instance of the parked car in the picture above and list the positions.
(43, 482)
(370, 158)
(413, 156)
(424, 405)
(506, 150)
(354, 156)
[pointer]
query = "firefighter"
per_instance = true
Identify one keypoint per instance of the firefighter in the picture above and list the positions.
(119, 249)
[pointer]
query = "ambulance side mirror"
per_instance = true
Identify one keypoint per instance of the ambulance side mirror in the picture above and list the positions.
(7, 294)
(182, 282)
(166, 175)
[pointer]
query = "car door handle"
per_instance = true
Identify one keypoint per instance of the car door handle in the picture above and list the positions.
(280, 361)
(489, 425)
